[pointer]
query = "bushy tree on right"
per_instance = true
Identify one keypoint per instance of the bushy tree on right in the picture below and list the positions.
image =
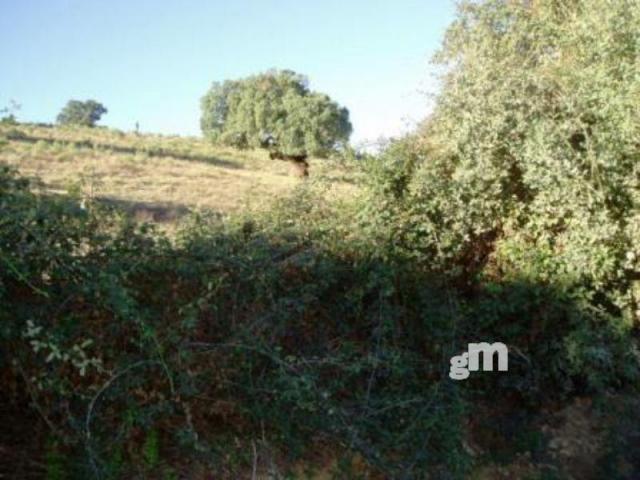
(528, 170)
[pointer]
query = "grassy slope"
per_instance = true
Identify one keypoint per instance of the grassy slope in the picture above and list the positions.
(156, 177)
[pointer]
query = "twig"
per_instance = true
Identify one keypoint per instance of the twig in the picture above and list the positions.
(254, 471)
(35, 402)
(94, 400)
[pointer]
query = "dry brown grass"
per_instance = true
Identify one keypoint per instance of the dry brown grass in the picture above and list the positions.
(157, 177)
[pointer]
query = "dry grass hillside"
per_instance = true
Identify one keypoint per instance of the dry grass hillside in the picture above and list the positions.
(157, 178)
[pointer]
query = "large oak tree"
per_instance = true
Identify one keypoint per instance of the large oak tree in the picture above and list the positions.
(275, 110)
(86, 113)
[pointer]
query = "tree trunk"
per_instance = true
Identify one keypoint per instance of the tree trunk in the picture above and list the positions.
(299, 164)
(299, 168)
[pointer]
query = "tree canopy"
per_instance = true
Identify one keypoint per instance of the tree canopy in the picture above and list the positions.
(274, 110)
(536, 130)
(85, 113)
(528, 167)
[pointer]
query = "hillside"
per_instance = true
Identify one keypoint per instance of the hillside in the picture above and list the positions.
(157, 178)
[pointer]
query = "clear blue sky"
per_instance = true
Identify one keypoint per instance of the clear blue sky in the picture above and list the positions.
(151, 60)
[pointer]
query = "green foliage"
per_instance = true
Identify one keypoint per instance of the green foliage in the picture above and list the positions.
(77, 112)
(511, 215)
(274, 110)
(56, 463)
(288, 330)
(528, 170)
(252, 323)
(151, 449)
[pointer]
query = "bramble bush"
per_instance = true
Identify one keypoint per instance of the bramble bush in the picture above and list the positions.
(269, 330)
(234, 332)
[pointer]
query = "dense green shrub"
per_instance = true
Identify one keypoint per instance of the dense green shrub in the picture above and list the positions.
(115, 333)
(528, 168)
(272, 329)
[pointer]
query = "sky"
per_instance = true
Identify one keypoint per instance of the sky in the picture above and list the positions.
(150, 61)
